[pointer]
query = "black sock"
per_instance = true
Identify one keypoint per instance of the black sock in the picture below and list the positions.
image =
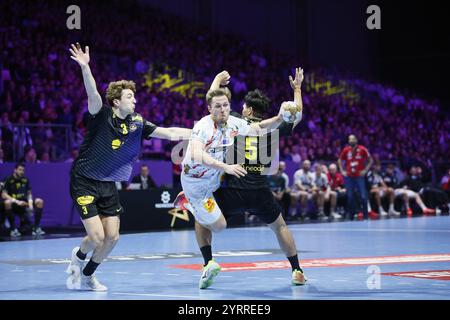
(206, 253)
(90, 268)
(37, 216)
(294, 263)
(81, 255)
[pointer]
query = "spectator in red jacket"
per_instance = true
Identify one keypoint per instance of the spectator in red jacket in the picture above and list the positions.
(357, 162)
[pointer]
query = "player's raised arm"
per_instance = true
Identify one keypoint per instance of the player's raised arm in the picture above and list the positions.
(296, 85)
(221, 79)
(265, 126)
(82, 58)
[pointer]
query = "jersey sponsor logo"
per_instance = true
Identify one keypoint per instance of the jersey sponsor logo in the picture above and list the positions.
(85, 200)
(334, 262)
(429, 274)
(254, 168)
(209, 204)
(115, 144)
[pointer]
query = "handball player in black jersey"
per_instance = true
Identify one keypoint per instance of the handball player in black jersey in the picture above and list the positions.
(110, 147)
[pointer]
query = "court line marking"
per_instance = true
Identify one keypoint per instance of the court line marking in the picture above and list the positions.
(340, 280)
(172, 274)
(42, 270)
(367, 230)
(147, 273)
(155, 295)
(17, 270)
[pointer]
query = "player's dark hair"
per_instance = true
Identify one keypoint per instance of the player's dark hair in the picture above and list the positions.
(20, 164)
(258, 101)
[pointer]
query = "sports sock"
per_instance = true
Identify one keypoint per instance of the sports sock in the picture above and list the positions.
(90, 268)
(294, 263)
(206, 253)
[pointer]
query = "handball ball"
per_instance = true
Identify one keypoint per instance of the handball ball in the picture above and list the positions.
(290, 111)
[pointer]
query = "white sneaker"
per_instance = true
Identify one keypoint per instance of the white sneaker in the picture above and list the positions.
(91, 283)
(383, 213)
(298, 278)
(394, 213)
(15, 233)
(336, 216)
(210, 271)
(38, 232)
(74, 270)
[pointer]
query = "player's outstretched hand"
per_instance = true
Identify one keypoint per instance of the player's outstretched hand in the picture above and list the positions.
(297, 82)
(224, 78)
(236, 170)
(78, 55)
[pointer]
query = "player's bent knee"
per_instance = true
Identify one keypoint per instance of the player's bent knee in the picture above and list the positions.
(219, 226)
(112, 237)
(97, 239)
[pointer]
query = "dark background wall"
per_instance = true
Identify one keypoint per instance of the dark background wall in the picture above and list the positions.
(411, 51)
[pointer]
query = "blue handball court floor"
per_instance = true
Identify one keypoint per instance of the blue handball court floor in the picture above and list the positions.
(407, 259)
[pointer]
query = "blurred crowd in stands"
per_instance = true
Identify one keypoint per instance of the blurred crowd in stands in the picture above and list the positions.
(43, 105)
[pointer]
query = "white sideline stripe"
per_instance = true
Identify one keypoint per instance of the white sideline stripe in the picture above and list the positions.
(43, 271)
(147, 273)
(172, 274)
(340, 280)
(439, 284)
(367, 230)
(155, 295)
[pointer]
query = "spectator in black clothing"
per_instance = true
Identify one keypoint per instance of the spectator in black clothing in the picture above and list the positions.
(19, 200)
(144, 179)
(415, 184)
(277, 184)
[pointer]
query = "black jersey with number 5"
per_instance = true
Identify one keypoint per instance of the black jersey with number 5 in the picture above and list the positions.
(258, 155)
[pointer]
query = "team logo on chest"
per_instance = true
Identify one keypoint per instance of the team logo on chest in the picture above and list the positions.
(133, 127)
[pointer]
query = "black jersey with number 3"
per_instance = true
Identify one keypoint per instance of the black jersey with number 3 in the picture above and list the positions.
(257, 155)
(111, 145)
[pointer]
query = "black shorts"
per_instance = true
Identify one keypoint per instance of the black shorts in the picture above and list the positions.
(93, 197)
(258, 202)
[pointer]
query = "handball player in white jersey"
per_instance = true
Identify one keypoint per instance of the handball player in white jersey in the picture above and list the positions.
(204, 164)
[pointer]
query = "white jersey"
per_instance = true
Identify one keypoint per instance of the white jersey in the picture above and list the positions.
(306, 179)
(200, 181)
(216, 140)
(321, 181)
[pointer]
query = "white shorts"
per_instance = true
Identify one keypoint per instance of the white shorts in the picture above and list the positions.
(400, 192)
(199, 193)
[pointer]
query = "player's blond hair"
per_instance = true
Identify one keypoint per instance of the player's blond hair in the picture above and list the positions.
(217, 93)
(115, 89)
